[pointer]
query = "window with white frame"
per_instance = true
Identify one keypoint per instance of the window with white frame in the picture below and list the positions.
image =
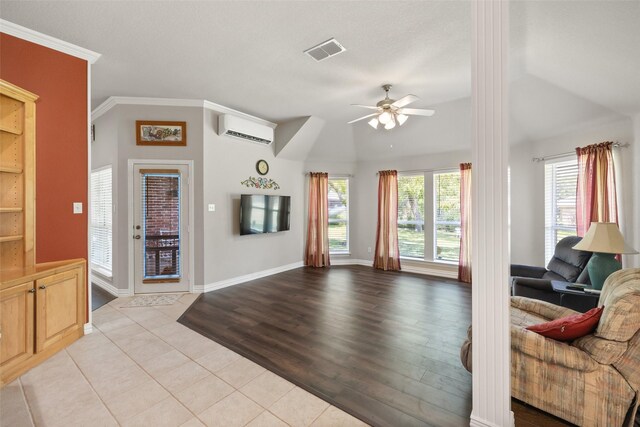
(339, 215)
(101, 220)
(446, 222)
(560, 183)
(411, 234)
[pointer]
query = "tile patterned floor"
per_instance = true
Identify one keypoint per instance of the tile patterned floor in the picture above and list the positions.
(141, 368)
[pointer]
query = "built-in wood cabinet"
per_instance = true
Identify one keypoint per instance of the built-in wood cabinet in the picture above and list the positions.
(17, 176)
(42, 310)
(42, 306)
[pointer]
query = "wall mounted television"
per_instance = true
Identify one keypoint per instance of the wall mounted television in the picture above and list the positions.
(264, 214)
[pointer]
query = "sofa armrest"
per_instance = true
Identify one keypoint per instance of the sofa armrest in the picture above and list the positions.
(550, 351)
(527, 271)
(541, 308)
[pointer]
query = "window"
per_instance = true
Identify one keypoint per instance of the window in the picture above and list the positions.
(101, 225)
(446, 194)
(338, 215)
(411, 216)
(560, 182)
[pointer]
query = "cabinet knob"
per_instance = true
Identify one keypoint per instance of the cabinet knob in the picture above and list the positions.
(32, 290)
(43, 287)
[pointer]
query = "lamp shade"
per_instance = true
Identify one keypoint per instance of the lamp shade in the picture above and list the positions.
(604, 237)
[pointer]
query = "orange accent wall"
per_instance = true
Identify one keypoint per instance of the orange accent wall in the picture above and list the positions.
(60, 81)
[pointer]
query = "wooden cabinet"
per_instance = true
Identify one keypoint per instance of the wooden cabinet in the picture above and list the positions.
(42, 310)
(17, 176)
(16, 325)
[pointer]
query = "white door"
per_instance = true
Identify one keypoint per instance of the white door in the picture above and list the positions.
(161, 228)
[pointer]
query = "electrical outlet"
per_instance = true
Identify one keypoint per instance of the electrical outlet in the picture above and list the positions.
(212, 207)
(77, 207)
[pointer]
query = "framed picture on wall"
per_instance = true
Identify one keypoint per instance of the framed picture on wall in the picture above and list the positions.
(161, 133)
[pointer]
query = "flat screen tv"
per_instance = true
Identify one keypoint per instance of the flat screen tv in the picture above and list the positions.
(264, 214)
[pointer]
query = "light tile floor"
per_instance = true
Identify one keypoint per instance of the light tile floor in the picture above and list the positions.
(141, 368)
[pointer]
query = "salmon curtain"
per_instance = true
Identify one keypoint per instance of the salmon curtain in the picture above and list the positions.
(596, 193)
(316, 253)
(387, 255)
(464, 260)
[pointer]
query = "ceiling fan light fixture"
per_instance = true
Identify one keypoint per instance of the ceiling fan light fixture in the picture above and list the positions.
(385, 117)
(402, 118)
(373, 123)
(390, 125)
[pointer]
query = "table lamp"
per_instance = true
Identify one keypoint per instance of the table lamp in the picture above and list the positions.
(605, 241)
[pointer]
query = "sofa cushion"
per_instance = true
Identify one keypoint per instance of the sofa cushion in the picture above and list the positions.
(621, 296)
(570, 327)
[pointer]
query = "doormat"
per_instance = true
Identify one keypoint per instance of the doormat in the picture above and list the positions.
(151, 300)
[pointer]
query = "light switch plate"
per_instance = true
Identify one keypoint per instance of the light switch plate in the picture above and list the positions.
(212, 207)
(77, 207)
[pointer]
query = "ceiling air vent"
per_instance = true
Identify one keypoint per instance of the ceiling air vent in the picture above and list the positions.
(325, 50)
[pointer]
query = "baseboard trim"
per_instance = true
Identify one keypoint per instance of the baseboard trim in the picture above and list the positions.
(479, 422)
(97, 280)
(88, 328)
(419, 267)
(246, 278)
(352, 261)
(445, 271)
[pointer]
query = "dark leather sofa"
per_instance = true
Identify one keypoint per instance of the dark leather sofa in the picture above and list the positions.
(567, 265)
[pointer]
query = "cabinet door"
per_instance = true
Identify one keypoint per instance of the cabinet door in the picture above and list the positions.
(59, 307)
(16, 325)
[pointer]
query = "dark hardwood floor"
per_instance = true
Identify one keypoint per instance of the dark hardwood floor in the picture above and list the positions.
(99, 297)
(382, 346)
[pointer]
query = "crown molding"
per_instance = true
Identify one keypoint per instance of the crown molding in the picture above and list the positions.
(27, 34)
(173, 102)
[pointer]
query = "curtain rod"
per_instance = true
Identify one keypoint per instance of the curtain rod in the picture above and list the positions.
(337, 175)
(556, 156)
(427, 170)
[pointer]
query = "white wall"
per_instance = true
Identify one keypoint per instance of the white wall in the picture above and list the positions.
(227, 162)
(104, 152)
(634, 260)
(117, 144)
(365, 194)
(527, 178)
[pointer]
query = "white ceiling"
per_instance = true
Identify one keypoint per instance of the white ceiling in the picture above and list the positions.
(573, 62)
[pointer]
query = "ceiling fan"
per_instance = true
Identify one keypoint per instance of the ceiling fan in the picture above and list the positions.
(390, 112)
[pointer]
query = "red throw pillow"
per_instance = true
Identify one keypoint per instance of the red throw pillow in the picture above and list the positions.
(571, 327)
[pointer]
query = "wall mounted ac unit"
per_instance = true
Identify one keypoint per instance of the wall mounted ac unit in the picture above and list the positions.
(248, 130)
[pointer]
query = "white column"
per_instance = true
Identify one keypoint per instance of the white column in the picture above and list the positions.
(635, 191)
(490, 295)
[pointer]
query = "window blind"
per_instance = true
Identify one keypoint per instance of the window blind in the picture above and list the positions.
(447, 215)
(101, 219)
(338, 215)
(411, 216)
(560, 182)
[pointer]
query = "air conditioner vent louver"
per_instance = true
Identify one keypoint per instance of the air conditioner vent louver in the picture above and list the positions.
(236, 127)
(325, 50)
(249, 137)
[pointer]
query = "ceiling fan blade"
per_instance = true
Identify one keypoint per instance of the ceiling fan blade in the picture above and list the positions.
(416, 112)
(371, 107)
(362, 118)
(405, 100)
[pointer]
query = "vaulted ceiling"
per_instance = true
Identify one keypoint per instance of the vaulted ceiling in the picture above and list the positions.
(572, 62)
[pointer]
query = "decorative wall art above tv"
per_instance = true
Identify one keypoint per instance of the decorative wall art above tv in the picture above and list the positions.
(161, 134)
(262, 183)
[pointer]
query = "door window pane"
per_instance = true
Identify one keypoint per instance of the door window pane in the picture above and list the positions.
(161, 225)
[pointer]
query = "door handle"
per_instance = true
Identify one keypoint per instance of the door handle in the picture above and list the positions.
(137, 237)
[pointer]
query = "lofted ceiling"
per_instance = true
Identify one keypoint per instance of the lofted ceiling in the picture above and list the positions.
(573, 62)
